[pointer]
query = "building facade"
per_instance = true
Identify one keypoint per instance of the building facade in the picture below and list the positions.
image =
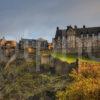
(25, 48)
(7, 49)
(29, 47)
(77, 40)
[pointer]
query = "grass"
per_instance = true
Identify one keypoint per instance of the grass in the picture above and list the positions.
(89, 61)
(71, 58)
(66, 58)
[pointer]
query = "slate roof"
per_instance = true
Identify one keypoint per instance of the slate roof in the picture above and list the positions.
(27, 39)
(90, 31)
(79, 31)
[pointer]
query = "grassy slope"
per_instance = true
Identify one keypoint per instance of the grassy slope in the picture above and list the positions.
(71, 58)
(65, 58)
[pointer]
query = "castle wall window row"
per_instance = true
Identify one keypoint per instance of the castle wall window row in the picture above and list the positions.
(74, 38)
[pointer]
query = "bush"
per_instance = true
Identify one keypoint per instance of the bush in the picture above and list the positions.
(85, 85)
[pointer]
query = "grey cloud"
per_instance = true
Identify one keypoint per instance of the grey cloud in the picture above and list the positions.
(41, 17)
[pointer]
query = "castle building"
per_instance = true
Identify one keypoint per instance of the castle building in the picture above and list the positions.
(77, 40)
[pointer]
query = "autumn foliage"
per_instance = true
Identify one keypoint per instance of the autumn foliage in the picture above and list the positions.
(85, 85)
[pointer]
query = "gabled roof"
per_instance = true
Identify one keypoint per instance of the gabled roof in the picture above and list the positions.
(41, 39)
(90, 31)
(58, 34)
(27, 40)
(79, 31)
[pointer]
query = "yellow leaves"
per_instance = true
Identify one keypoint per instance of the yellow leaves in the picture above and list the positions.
(61, 95)
(85, 85)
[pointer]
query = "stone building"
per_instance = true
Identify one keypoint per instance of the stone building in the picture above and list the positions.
(25, 48)
(28, 47)
(77, 40)
(7, 49)
(50, 46)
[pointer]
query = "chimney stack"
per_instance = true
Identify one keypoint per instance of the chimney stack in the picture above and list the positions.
(57, 28)
(83, 26)
(75, 27)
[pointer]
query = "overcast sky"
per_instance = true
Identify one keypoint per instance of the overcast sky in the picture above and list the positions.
(39, 18)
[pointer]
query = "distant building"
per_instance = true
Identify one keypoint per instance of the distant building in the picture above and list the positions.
(50, 46)
(27, 47)
(77, 40)
(43, 43)
(32, 43)
(7, 48)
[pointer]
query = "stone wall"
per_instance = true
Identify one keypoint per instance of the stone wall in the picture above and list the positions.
(45, 59)
(62, 67)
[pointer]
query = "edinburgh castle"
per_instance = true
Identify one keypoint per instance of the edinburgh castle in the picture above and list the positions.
(77, 40)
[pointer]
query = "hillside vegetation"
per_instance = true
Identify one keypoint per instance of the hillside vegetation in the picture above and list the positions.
(85, 84)
(20, 82)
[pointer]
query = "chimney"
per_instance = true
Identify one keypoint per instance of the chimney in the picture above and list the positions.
(57, 28)
(69, 26)
(75, 27)
(83, 26)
